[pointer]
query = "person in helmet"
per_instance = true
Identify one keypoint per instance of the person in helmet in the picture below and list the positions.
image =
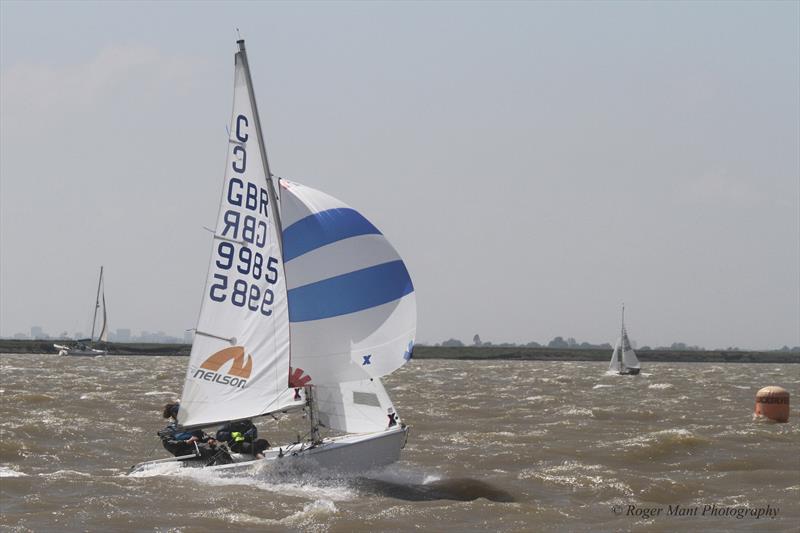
(242, 437)
(179, 442)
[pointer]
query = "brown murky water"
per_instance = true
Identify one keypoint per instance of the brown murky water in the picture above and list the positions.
(497, 446)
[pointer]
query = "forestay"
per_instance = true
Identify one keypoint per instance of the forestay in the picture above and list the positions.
(352, 306)
(239, 361)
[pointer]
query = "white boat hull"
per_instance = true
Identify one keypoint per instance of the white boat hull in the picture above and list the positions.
(89, 353)
(346, 454)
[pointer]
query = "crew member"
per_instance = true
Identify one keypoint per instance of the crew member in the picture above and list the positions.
(242, 437)
(179, 442)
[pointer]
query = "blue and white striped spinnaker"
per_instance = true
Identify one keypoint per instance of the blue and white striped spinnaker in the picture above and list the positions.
(352, 308)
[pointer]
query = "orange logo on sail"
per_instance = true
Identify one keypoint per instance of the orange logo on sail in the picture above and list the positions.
(240, 368)
(237, 374)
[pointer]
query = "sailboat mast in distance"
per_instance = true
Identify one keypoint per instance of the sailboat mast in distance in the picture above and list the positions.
(97, 301)
(624, 360)
(87, 349)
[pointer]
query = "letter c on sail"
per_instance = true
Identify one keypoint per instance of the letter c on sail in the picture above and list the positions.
(240, 368)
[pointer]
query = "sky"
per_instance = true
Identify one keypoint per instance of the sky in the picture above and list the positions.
(535, 164)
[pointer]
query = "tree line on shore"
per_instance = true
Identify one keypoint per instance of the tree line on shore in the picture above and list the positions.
(571, 343)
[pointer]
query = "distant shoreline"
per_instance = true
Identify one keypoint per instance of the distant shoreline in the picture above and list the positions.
(463, 353)
(572, 354)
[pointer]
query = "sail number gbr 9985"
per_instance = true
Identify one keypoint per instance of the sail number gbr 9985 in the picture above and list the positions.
(242, 264)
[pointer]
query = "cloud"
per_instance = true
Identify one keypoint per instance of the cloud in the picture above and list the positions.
(719, 188)
(37, 92)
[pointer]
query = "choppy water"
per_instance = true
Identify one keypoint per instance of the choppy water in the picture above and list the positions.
(498, 446)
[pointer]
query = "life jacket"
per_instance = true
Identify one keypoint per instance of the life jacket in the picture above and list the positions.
(236, 432)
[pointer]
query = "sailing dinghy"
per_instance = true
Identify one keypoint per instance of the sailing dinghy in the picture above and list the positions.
(306, 306)
(84, 346)
(624, 360)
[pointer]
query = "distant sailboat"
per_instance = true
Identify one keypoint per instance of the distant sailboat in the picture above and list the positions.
(83, 346)
(629, 364)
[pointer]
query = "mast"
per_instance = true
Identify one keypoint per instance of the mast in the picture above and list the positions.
(312, 415)
(273, 197)
(96, 303)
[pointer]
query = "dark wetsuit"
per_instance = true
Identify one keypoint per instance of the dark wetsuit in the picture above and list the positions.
(242, 437)
(172, 438)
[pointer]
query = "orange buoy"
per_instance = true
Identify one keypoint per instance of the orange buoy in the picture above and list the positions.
(773, 403)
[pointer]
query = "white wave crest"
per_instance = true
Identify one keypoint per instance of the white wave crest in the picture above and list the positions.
(266, 478)
(65, 474)
(314, 509)
(6, 471)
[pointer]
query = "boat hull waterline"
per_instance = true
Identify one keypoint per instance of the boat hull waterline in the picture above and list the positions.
(72, 351)
(346, 454)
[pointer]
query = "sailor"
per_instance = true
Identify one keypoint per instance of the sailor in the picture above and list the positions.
(179, 442)
(242, 437)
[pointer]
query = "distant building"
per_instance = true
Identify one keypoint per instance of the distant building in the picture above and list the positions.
(37, 333)
(123, 335)
(188, 336)
(20, 336)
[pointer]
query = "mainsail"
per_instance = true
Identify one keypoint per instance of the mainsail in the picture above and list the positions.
(629, 359)
(352, 306)
(239, 363)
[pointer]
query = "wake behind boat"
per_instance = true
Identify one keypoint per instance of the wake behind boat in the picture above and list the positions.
(306, 306)
(84, 346)
(629, 363)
